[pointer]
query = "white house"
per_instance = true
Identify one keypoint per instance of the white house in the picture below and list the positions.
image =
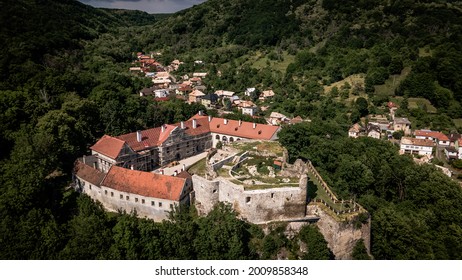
(160, 93)
(224, 93)
(451, 153)
(248, 108)
(249, 91)
(354, 131)
(416, 146)
(373, 131)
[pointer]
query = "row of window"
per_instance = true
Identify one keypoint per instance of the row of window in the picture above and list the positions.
(225, 139)
(143, 201)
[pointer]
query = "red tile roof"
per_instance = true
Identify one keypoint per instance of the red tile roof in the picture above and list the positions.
(88, 173)
(417, 142)
(152, 137)
(433, 134)
(202, 125)
(245, 130)
(108, 146)
(144, 183)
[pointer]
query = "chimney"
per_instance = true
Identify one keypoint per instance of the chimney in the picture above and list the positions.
(240, 122)
(184, 167)
(83, 159)
(182, 125)
(210, 118)
(254, 125)
(225, 121)
(162, 171)
(200, 112)
(194, 123)
(175, 173)
(131, 167)
(163, 128)
(138, 136)
(94, 165)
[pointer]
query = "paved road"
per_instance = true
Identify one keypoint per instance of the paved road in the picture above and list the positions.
(187, 162)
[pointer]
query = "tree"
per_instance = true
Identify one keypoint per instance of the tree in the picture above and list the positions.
(362, 105)
(360, 251)
(316, 246)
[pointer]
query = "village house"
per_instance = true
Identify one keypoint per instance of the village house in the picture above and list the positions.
(379, 120)
(373, 131)
(201, 75)
(195, 96)
(355, 131)
(184, 89)
(266, 94)
(249, 91)
(416, 146)
(276, 118)
(402, 124)
(451, 153)
(225, 94)
(248, 108)
(454, 138)
(436, 136)
(209, 100)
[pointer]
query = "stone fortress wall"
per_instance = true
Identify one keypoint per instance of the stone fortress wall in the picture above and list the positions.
(257, 205)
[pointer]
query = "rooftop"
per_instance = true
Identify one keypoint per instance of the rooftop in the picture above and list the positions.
(144, 183)
(433, 134)
(417, 142)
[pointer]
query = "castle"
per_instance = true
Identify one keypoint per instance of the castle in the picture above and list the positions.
(119, 174)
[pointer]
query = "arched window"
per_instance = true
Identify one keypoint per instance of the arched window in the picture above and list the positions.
(217, 137)
(231, 139)
(224, 139)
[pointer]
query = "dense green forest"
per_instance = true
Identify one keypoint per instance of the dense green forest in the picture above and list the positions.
(64, 82)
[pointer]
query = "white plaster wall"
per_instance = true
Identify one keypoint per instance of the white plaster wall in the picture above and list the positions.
(111, 201)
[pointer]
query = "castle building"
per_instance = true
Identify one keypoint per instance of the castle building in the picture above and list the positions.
(149, 194)
(149, 149)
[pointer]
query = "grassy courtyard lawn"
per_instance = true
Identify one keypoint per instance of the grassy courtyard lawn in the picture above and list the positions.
(198, 168)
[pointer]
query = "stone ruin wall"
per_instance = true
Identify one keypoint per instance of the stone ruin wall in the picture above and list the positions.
(341, 236)
(255, 206)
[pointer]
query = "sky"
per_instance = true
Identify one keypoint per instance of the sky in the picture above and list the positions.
(150, 6)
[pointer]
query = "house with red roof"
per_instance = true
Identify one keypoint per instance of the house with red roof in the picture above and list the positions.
(436, 136)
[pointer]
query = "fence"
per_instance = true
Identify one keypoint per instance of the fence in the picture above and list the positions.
(344, 204)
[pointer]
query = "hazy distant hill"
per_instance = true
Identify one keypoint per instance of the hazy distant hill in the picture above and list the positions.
(307, 22)
(30, 29)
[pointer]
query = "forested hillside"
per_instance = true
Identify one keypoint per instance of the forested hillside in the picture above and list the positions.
(64, 82)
